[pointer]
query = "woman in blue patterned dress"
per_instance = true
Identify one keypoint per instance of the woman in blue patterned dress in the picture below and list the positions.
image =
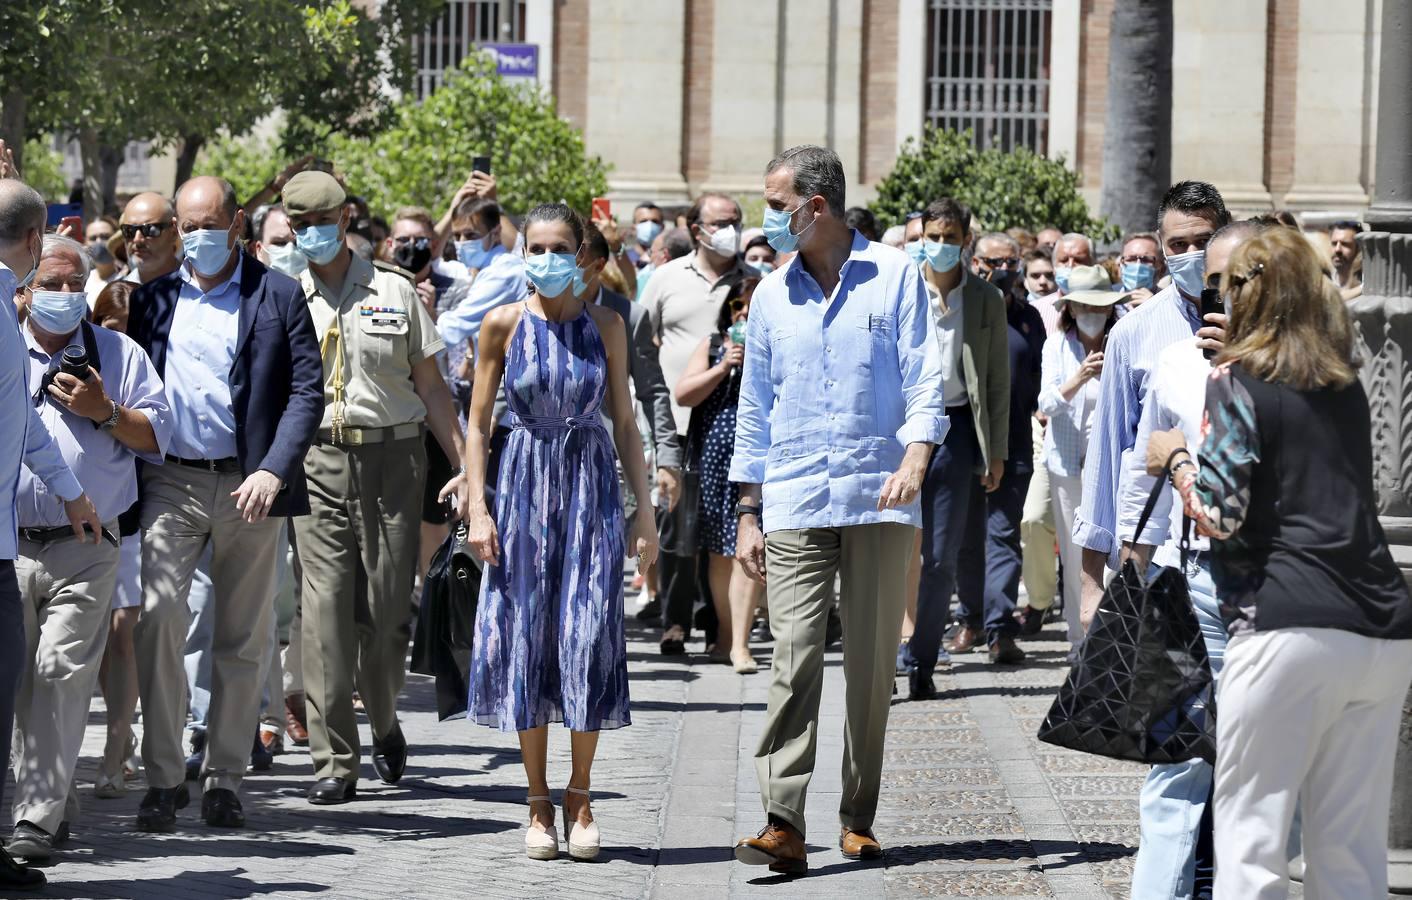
(549, 641)
(711, 387)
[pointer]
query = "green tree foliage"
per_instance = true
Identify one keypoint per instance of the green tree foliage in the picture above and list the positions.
(425, 155)
(1002, 189)
(43, 169)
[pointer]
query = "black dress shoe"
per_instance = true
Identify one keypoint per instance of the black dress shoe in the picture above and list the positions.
(390, 756)
(921, 687)
(61, 837)
(221, 809)
(1004, 651)
(261, 759)
(328, 791)
(15, 877)
(651, 612)
(159, 806)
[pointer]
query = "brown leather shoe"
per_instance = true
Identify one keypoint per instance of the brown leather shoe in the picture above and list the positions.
(295, 722)
(272, 741)
(781, 847)
(965, 640)
(1005, 652)
(859, 844)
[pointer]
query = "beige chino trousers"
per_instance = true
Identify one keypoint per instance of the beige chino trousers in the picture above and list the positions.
(67, 589)
(182, 509)
(871, 561)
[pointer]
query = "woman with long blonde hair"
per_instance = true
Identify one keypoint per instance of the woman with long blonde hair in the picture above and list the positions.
(1319, 658)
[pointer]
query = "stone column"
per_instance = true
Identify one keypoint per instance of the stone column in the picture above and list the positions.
(1383, 316)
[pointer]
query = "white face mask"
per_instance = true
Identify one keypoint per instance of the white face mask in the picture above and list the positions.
(725, 241)
(1091, 324)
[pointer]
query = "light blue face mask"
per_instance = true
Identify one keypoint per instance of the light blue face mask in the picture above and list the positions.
(1138, 275)
(762, 267)
(320, 243)
(1188, 272)
(57, 312)
(1061, 278)
(941, 257)
(915, 251)
(647, 231)
(776, 226)
(552, 274)
(207, 249)
(473, 254)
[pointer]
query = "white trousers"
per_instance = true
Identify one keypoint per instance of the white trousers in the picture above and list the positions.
(1067, 491)
(1317, 709)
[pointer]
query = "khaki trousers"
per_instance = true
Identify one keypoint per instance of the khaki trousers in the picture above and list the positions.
(358, 552)
(1037, 531)
(183, 508)
(871, 561)
(67, 590)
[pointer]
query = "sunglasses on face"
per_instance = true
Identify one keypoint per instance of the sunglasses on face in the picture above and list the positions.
(149, 230)
(421, 243)
(739, 305)
(999, 262)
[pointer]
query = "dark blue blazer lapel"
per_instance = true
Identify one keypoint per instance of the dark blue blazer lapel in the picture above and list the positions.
(252, 292)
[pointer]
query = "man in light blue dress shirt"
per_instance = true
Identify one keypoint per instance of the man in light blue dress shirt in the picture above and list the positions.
(101, 425)
(840, 408)
(23, 440)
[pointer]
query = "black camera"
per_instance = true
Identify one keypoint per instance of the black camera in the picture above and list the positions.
(75, 362)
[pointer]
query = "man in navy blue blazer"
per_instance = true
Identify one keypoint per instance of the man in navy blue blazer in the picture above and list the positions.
(235, 345)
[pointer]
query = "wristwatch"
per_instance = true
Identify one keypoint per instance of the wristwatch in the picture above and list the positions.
(112, 421)
(745, 509)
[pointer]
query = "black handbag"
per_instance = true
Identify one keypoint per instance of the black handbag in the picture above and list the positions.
(1142, 687)
(446, 622)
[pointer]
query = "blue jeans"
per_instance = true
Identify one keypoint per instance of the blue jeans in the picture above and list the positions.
(1174, 796)
(988, 580)
(198, 641)
(946, 498)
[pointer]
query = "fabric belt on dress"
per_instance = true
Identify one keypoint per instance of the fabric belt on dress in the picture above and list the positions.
(345, 436)
(229, 465)
(554, 423)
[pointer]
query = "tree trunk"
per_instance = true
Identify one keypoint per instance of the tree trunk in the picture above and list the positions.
(1137, 132)
(91, 156)
(186, 157)
(110, 159)
(14, 107)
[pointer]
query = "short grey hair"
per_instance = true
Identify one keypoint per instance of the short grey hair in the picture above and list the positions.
(895, 235)
(817, 170)
(56, 244)
(1003, 238)
(1075, 236)
(22, 210)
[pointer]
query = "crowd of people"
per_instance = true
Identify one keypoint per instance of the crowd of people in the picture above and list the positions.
(247, 427)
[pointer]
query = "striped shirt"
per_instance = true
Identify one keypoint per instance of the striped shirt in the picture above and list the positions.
(1134, 345)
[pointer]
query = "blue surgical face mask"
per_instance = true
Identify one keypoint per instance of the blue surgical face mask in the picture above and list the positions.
(552, 274)
(473, 254)
(207, 249)
(915, 251)
(762, 267)
(1061, 278)
(1138, 275)
(286, 258)
(1188, 272)
(320, 243)
(777, 228)
(941, 257)
(57, 312)
(647, 231)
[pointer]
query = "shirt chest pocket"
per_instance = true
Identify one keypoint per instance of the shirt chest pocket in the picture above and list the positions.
(382, 334)
(785, 356)
(876, 346)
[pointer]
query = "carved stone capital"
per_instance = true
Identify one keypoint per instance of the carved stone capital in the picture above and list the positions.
(1383, 330)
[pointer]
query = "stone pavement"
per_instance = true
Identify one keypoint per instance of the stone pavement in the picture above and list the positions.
(973, 805)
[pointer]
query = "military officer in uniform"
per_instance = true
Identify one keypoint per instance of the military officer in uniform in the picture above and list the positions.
(366, 472)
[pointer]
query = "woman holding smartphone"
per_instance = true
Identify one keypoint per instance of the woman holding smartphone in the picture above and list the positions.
(711, 387)
(549, 643)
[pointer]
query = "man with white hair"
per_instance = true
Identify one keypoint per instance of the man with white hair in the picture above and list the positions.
(1073, 249)
(102, 420)
(25, 440)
